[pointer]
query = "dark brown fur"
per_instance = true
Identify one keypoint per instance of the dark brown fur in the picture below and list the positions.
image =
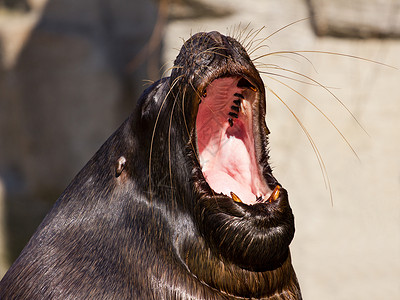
(140, 221)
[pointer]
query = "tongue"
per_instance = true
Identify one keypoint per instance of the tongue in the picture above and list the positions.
(232, 169)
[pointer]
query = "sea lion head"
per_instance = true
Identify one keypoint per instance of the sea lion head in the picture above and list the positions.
(180, 202)
(212, 153)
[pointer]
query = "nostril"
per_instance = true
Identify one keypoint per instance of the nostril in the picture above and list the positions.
(216, 36)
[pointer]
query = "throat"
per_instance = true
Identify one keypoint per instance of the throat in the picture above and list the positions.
(238, 282)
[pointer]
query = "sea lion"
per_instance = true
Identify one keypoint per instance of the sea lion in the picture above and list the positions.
(179, 203)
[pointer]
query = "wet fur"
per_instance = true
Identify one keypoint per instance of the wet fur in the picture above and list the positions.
(148, 226)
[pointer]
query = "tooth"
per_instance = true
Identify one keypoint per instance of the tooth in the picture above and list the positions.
(237, 102)
(235, 197)
(232, 114)
(235, 108)
(275, 194)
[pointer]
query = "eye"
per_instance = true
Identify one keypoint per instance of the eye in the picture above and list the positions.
(204, 94)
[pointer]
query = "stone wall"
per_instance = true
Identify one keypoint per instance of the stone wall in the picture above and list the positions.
(356, 18)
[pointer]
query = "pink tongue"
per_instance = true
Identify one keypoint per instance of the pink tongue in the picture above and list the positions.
(230, 171)
(227, 152)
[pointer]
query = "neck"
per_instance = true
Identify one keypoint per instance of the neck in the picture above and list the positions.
(280, 283)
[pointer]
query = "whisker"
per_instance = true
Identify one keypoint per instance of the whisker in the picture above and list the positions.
(313, 145)
(239, 37)
(187, 128)
(293, 79)
(281, 55)
(330, 53)
(276, 31)
(259, 45)
(349, 56)
(154, 130)
(317, 108)
(195, 90)
(330, 92)
(169, 149)
(251, 33)
(164, 74)
(147, 82)
(249, 45)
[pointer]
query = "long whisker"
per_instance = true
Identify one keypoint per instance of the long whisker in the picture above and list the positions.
(313, 145)
(147, 82)
(286, 26)
(330, 92)
(326, 52)
(241, 32)
(154, 130)
(349, 56)
(275, 32)
(251, 34)
(195, 90)
(301, 55)
(169, 149)
(252, 37)
(184, 116)
(317, 108)
(291, 78)
(187, 128)
(164, 74)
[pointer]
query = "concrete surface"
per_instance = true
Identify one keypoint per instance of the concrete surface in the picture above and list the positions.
(356, 18)
(351, 249)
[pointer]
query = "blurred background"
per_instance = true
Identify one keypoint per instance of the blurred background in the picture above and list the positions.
(71, 71)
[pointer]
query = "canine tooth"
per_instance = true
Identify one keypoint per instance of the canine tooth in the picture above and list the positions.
(235, 197)
(275, 194)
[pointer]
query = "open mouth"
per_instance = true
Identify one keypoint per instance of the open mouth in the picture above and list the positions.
(226, 124)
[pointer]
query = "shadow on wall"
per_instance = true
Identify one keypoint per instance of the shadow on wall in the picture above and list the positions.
(62, 95)
(70, 73)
